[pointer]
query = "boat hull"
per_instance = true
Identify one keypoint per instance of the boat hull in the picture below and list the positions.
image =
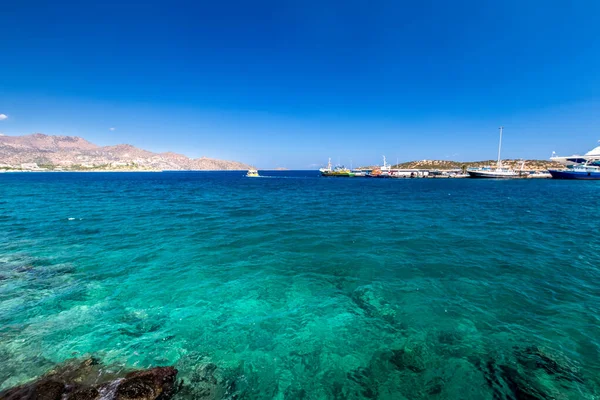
(491, 175)
(337, 174)
(581, 175)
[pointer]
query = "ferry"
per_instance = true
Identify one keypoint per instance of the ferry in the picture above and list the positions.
(591, 156)
(496, 173)
(338, 171)
(582, 171)
(252, 173)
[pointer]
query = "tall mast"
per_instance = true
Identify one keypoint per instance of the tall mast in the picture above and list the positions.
(500, 148)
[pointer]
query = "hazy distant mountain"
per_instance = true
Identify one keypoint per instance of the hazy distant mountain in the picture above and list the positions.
(75, 153)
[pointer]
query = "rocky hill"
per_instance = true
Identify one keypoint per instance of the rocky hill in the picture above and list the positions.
(530, 165)
(71, 153)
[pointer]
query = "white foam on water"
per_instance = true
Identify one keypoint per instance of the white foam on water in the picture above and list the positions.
(108, 392)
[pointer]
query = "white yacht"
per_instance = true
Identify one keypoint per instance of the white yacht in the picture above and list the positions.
(591, 157)
(252, 173)
(499, 172)
(326, 170)
(386, 169)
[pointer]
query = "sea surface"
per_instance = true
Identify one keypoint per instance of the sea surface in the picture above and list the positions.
(294, 286)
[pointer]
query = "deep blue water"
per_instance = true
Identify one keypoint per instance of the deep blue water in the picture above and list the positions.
(297, 286)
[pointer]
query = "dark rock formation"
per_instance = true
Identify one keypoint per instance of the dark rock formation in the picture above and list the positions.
(147, 385)
(527, 378)
(534, 358)
(87, 380)
(507, 383)
(411, 360)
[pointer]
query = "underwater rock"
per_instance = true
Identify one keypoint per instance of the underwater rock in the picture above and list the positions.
(507, 383)
(435, 386)
(534, 358)
(24, 268)
(86, 380)
(410, 360)
(41, 390)
(530, 374)
(373, 303)
(294, 393)
(413, 356)
(78, 372)
(209, 382)
(364, 378)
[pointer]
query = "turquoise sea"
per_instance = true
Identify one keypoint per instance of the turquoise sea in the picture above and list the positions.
(300, 287)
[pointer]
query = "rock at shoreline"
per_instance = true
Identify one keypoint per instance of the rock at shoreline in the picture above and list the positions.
(88, 381)
(147, 385)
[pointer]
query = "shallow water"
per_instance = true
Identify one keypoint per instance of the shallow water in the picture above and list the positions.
(305, 287)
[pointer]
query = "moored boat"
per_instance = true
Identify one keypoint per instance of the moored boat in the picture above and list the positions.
(583, 172)
(591, 157)
(495, 173)
(498, 172)
(384, 171)
(338, 171)
(326, 170)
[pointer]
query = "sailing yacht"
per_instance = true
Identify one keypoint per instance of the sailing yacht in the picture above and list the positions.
(499, 172)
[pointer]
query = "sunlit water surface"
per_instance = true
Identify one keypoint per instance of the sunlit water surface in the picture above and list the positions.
(296, 286)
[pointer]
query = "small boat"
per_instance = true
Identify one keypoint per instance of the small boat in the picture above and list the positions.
(538, 175)
(384, 171)
(583, 172)
(495, 173)
(252, 173)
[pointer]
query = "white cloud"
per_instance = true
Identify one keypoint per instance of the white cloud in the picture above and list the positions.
(3, 117)
(111, 129)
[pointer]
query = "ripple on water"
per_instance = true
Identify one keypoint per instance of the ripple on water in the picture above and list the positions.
(305, 288)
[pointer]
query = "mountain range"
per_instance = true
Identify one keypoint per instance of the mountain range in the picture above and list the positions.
(72, 153)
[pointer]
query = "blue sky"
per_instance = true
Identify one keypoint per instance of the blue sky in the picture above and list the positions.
(289, 84)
